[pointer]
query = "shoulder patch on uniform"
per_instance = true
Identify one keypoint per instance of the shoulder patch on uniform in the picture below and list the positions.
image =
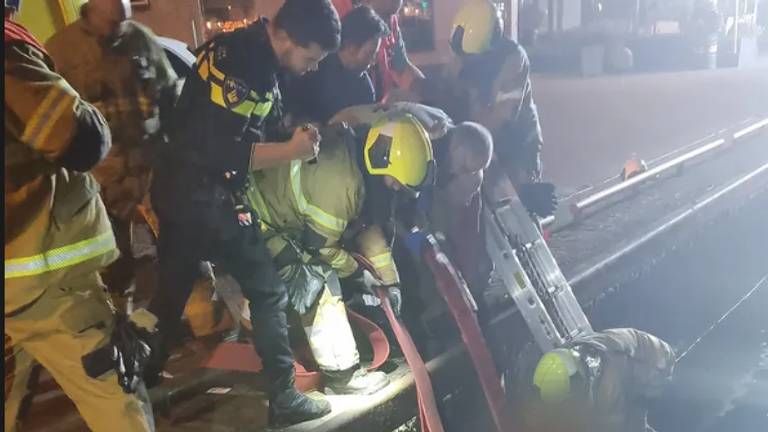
(235, 91)
(220, 52)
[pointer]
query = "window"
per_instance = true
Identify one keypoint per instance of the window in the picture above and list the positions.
(417, 22)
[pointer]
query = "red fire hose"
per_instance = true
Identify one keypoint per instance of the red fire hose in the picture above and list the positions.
(429, 416)
(455, 292)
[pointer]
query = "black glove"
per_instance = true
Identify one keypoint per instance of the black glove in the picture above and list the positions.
(127, 353)
(130, 352)
(395, 299)
(538, 198)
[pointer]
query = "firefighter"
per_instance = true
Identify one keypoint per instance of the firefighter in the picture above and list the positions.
(57, 239)
(120, 68)
(304, 233)
(394, 76)
(219, 132)
(489, 83)
(601, 382)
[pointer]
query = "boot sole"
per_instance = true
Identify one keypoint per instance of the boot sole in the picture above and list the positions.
(363, 392)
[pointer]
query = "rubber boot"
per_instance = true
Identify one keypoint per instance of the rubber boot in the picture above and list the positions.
(354, 381)
(288, 406)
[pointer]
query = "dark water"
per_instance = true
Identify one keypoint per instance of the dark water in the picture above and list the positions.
(721, 385)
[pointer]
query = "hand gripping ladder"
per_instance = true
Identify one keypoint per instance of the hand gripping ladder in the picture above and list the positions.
(530, 273)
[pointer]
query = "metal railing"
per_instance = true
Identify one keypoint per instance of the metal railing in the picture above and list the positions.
(571, 210)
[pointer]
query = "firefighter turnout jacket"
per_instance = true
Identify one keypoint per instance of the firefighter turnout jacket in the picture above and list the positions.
(56, 226)
(130, 80)
(634, 367)
(494, 89)
(312, 204)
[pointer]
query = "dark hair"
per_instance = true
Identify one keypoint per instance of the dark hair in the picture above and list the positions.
(361, 25)
(308, 21)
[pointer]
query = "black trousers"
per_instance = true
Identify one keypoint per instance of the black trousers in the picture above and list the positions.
(241, 252)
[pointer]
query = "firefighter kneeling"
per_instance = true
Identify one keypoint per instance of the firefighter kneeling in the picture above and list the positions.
(601, 382)
(305, 210)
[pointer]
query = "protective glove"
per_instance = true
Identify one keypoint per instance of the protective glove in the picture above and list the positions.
(393, 294)
(395, 299)
(538, 198)
(127, 353)
(361, 281)
(130, 353)
(305, 283)
(434, 120)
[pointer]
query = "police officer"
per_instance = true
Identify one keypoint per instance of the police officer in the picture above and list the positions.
(493, 78)
(116, 64)
(219, 134)
(57, 239)
(600, 382)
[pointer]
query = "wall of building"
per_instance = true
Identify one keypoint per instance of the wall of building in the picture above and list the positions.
(173, 19)
(44, 17)
(444, 11)
(267, 8)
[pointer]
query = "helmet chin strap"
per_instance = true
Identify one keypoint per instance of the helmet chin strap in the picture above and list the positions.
(593, 365)
(456, 41)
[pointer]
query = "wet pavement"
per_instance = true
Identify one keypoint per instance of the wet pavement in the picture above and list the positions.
(721, 385)
(592, 126)
(698, 281)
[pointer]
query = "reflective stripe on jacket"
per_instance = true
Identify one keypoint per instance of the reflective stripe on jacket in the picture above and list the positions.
(312, 205)
(56, 226)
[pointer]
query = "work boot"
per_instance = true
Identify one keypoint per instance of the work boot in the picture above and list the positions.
(288, 406)
(355, 381)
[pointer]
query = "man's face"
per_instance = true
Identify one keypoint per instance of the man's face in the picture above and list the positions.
(386, 8)
(299, 60)
(392, 183)
(461, 158)
(105, 17)
(362, 57)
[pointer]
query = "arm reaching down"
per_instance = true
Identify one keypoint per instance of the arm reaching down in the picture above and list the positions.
(434, 120)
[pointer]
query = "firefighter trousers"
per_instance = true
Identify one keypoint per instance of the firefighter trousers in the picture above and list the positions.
(65, 323)
(329, 333)
(181, 248)
(330, 336)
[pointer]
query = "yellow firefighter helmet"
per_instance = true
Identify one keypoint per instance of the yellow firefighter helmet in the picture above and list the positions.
(556, 375)
(475, 27)
(400, 147)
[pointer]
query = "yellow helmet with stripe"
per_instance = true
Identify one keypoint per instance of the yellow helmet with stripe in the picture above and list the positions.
(475, 27)
(400, 147)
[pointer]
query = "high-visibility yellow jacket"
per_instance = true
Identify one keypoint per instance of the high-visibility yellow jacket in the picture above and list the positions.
(55, 223)
(312, 204)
